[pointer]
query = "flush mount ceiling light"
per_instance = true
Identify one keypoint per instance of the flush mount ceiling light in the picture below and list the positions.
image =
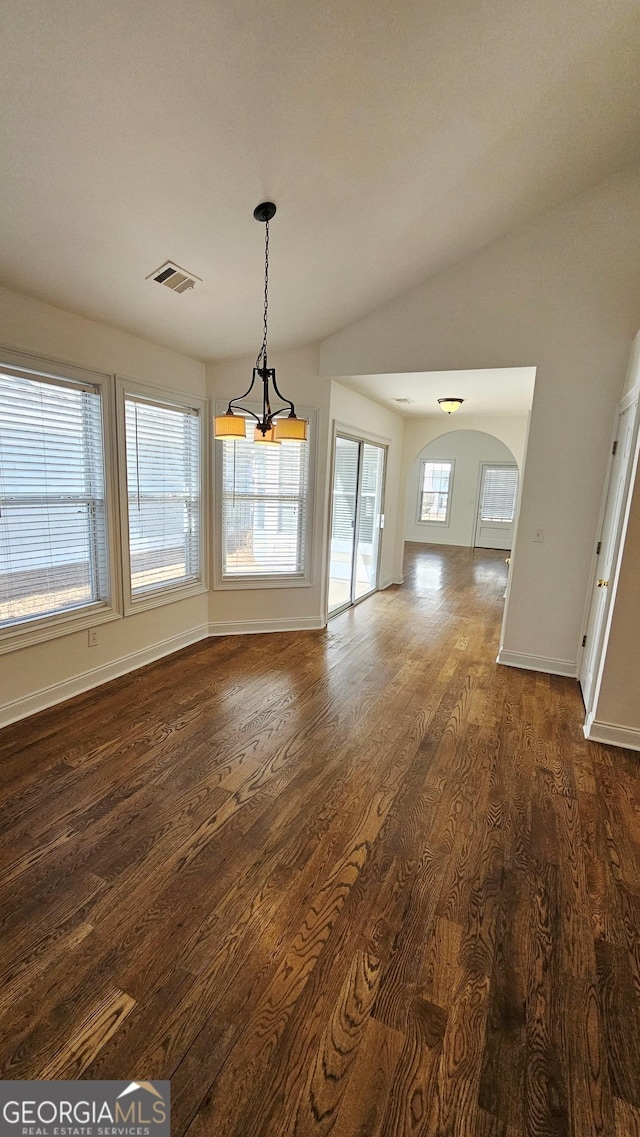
(450, 405)
(270, 429)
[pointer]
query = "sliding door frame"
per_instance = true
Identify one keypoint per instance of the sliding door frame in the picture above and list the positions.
(354, 435)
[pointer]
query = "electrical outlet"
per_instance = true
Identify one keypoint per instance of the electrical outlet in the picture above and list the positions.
(93, 637)
(538, 535)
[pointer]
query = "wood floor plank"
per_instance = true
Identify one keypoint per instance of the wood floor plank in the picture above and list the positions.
(620, 1016)
(88, 1039)
(502, 1082)
(359, 882)
(414, 1085)
(627, 1119)
(546, 1064)
(330, 1068)
(361, 1112)
(590, 1100)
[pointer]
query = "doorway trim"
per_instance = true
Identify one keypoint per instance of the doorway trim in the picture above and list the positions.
(590, 728)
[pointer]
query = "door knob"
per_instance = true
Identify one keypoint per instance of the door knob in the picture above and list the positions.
(603, 584)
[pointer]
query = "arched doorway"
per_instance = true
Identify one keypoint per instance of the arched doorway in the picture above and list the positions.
(462, 490)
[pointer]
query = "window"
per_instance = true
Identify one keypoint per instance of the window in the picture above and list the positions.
(53, 509)
(264, 508)
(498, 495)
(435, 492)
(163, 479)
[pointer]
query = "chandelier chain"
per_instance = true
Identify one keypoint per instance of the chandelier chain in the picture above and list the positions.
(262, 354)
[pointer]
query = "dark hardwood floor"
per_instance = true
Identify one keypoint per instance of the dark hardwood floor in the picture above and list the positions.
(360, 882)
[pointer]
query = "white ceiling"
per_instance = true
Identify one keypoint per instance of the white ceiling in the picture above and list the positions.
(395, 138)
(491, 391)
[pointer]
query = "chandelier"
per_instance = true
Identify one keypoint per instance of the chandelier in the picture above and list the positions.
(273, 425)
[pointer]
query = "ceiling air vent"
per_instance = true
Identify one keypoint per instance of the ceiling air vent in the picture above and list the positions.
(405, 401)
(174, 277)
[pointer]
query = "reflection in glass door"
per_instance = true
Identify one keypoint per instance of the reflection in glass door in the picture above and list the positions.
(343, 521)
(358, 480)
(368, 531)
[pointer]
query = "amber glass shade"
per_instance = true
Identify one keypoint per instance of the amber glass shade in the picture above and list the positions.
(291, 429)
(229, 427)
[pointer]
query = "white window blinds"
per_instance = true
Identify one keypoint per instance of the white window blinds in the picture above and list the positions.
(499, 488)
(53, 548)
(434, 496)
(163, 494)
(264, 507)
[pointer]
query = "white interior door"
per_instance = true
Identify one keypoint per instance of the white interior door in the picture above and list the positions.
(606, 551)
(496, 505)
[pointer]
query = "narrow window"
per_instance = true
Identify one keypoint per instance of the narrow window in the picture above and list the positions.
(163, 495)
(264, 508)
(435, 492)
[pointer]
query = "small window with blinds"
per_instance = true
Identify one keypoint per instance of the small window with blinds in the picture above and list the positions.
(163, 479)
(498, 493)
(435, 492)
(264, 508)
(53, 531)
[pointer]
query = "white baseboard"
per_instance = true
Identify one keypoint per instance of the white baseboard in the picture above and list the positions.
(256, 627)
(566, 667)
(68, 688)
(610, 734)
(391, 580)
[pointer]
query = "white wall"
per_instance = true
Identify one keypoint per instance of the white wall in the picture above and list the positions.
(28, 325)
(371, 420)
(264, 609)
(561, 294)
(468, 449)
(36, 676)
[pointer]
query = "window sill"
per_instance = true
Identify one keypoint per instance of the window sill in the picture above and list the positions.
(233, 583)
(171, 595)
(54, 627)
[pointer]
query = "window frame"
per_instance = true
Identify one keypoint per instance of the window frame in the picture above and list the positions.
(166, 397)
(444, 523)
(222, 582)
(491, 465)
(42, 628)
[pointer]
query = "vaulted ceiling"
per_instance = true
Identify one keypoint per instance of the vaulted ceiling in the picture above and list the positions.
(395, 138)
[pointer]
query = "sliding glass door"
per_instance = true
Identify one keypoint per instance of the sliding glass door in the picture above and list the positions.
(356, 516)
